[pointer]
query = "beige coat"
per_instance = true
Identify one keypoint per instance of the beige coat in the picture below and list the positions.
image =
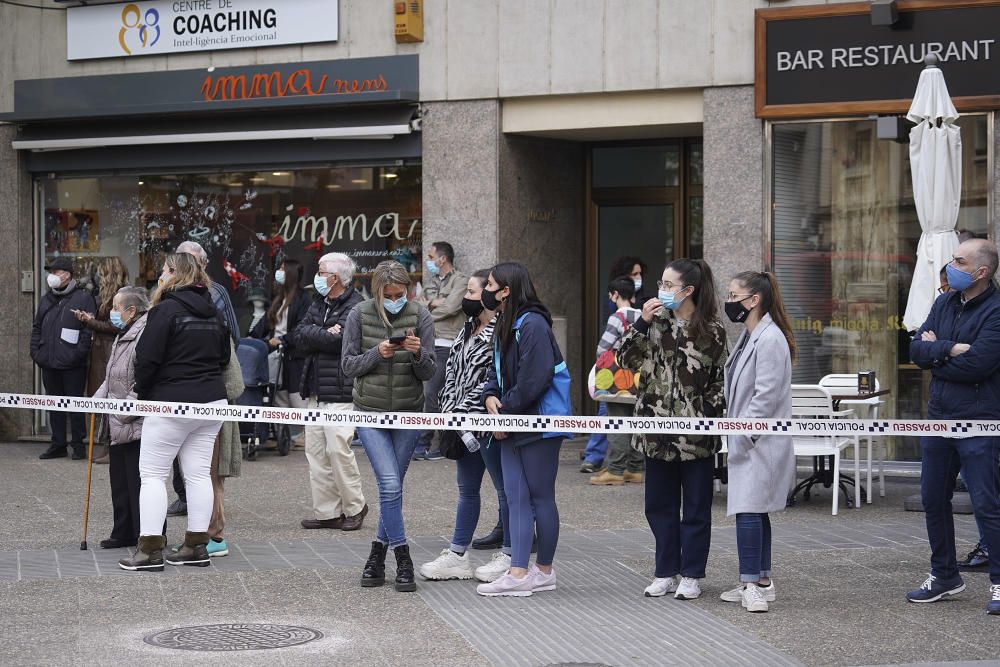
(119, 382)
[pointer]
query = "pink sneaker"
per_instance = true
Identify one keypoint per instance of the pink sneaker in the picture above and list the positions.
(508, 585)
(543, 582)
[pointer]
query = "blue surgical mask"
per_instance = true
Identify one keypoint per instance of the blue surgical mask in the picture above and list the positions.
(432, 268)
(394, 307)
(958, 280)
(279, 277)
(322, 287)
(116, 320)
(638, 284)
(669, 300)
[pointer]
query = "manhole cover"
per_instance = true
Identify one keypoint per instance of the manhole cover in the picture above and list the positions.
(233, 637)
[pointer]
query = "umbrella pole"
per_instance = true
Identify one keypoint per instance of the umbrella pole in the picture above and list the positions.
(90, 470)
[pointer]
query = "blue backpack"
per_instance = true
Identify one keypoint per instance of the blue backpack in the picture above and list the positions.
(555, 401)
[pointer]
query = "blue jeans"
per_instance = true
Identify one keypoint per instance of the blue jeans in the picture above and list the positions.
(597, 446)
(683, 537)
(529, 478)
(941, 460)
(753, 543)
(389, 452)
(470, 479)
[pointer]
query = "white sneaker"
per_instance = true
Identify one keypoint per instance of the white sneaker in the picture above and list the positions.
(688, 589)
(753, 599)
(494, 569)
(508, 585)
(543, 582)
(660, 587)
(449, 565)
(736, 594)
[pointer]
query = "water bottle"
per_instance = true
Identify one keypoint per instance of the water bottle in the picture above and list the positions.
(470, 442)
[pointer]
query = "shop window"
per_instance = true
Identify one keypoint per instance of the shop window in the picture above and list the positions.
(845, 233)
(247, 221)
(636, 166)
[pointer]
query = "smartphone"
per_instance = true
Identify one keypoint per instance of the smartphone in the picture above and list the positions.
(397, 340)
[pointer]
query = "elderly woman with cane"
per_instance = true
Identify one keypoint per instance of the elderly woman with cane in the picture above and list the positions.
(128, 315)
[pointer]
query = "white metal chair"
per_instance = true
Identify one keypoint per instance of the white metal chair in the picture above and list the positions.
(814, 402)
(845, 383)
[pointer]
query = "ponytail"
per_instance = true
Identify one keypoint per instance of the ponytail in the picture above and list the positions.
(765, 285)
(698, 274)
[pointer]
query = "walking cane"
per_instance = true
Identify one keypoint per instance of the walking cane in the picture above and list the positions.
(86, 498)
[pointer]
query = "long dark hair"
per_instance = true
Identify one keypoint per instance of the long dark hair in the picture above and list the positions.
(285, 293)
(622, 266)
(765, 285)
(697, 273)
(522, 294)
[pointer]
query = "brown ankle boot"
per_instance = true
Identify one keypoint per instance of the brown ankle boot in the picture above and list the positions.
(193, 552)
(148, 556)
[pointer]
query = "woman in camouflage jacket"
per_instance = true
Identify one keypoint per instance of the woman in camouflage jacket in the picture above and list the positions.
(679, 349)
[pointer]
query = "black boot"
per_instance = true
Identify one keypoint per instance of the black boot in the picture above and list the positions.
(492, 541)
(374, 572)
(54, 452)
(149, 555)
(193, 552)
(404, 570)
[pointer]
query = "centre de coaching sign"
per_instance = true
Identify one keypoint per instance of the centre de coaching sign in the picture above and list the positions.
(174, 26)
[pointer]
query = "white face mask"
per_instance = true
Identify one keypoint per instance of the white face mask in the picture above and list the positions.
(53, 281)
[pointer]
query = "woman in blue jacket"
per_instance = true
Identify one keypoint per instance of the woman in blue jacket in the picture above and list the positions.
(527, 353)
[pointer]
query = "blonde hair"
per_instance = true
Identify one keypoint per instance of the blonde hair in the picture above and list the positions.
(389, 272)
(187, 271)
(112, 275)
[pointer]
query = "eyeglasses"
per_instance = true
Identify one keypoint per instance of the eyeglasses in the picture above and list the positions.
(325, 274)
(666, 284)
(737, 297)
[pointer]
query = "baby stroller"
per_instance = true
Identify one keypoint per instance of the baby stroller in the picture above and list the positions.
(258, 391)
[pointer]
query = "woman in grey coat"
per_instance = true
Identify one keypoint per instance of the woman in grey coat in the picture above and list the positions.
(128, 316)
(761, 468)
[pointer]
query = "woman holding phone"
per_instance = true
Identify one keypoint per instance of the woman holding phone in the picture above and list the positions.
(388, 348)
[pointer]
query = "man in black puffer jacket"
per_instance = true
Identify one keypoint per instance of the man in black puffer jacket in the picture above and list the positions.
(333, 471)
(60, 345)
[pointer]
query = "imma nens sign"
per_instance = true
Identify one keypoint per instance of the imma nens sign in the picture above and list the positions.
(158, 27)
(831, 60)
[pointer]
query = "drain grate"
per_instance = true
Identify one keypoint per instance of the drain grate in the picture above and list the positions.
(233, 637)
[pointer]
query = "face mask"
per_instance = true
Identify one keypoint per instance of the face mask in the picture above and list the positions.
(279, 277)
(322, 287)
(53, 281)
(736, 311)
(432, 268)
(490, 301)
(394, 307)
(472, 308)
(116, 319)
(958, 280)
(638, 284)
(669, 299)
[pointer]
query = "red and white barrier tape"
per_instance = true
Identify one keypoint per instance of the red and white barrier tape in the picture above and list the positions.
(505, 423)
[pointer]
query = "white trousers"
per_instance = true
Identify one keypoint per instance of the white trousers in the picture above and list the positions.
(192, 441)
(333, 470)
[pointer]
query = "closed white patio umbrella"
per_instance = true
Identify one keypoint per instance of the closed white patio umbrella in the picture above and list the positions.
(936, 167)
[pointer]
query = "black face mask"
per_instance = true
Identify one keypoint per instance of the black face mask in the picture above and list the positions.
(490, 301)
(736, 311)
(472, 308)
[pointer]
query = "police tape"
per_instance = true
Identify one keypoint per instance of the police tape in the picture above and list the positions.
(504, 423)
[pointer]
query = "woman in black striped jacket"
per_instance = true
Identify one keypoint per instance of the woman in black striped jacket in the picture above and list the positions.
(468, 363)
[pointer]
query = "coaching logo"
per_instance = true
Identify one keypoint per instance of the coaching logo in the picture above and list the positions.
(147, 25)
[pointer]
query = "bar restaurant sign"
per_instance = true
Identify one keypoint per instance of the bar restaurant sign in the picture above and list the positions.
(829, 60)
(174, 26)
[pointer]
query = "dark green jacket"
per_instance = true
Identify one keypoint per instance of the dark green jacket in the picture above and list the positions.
(678, 377)
(387, 385)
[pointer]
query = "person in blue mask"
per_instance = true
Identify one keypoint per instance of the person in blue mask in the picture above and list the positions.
(388, 348)
(959, 344)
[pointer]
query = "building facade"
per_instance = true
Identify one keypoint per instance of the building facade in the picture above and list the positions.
(558, 133)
